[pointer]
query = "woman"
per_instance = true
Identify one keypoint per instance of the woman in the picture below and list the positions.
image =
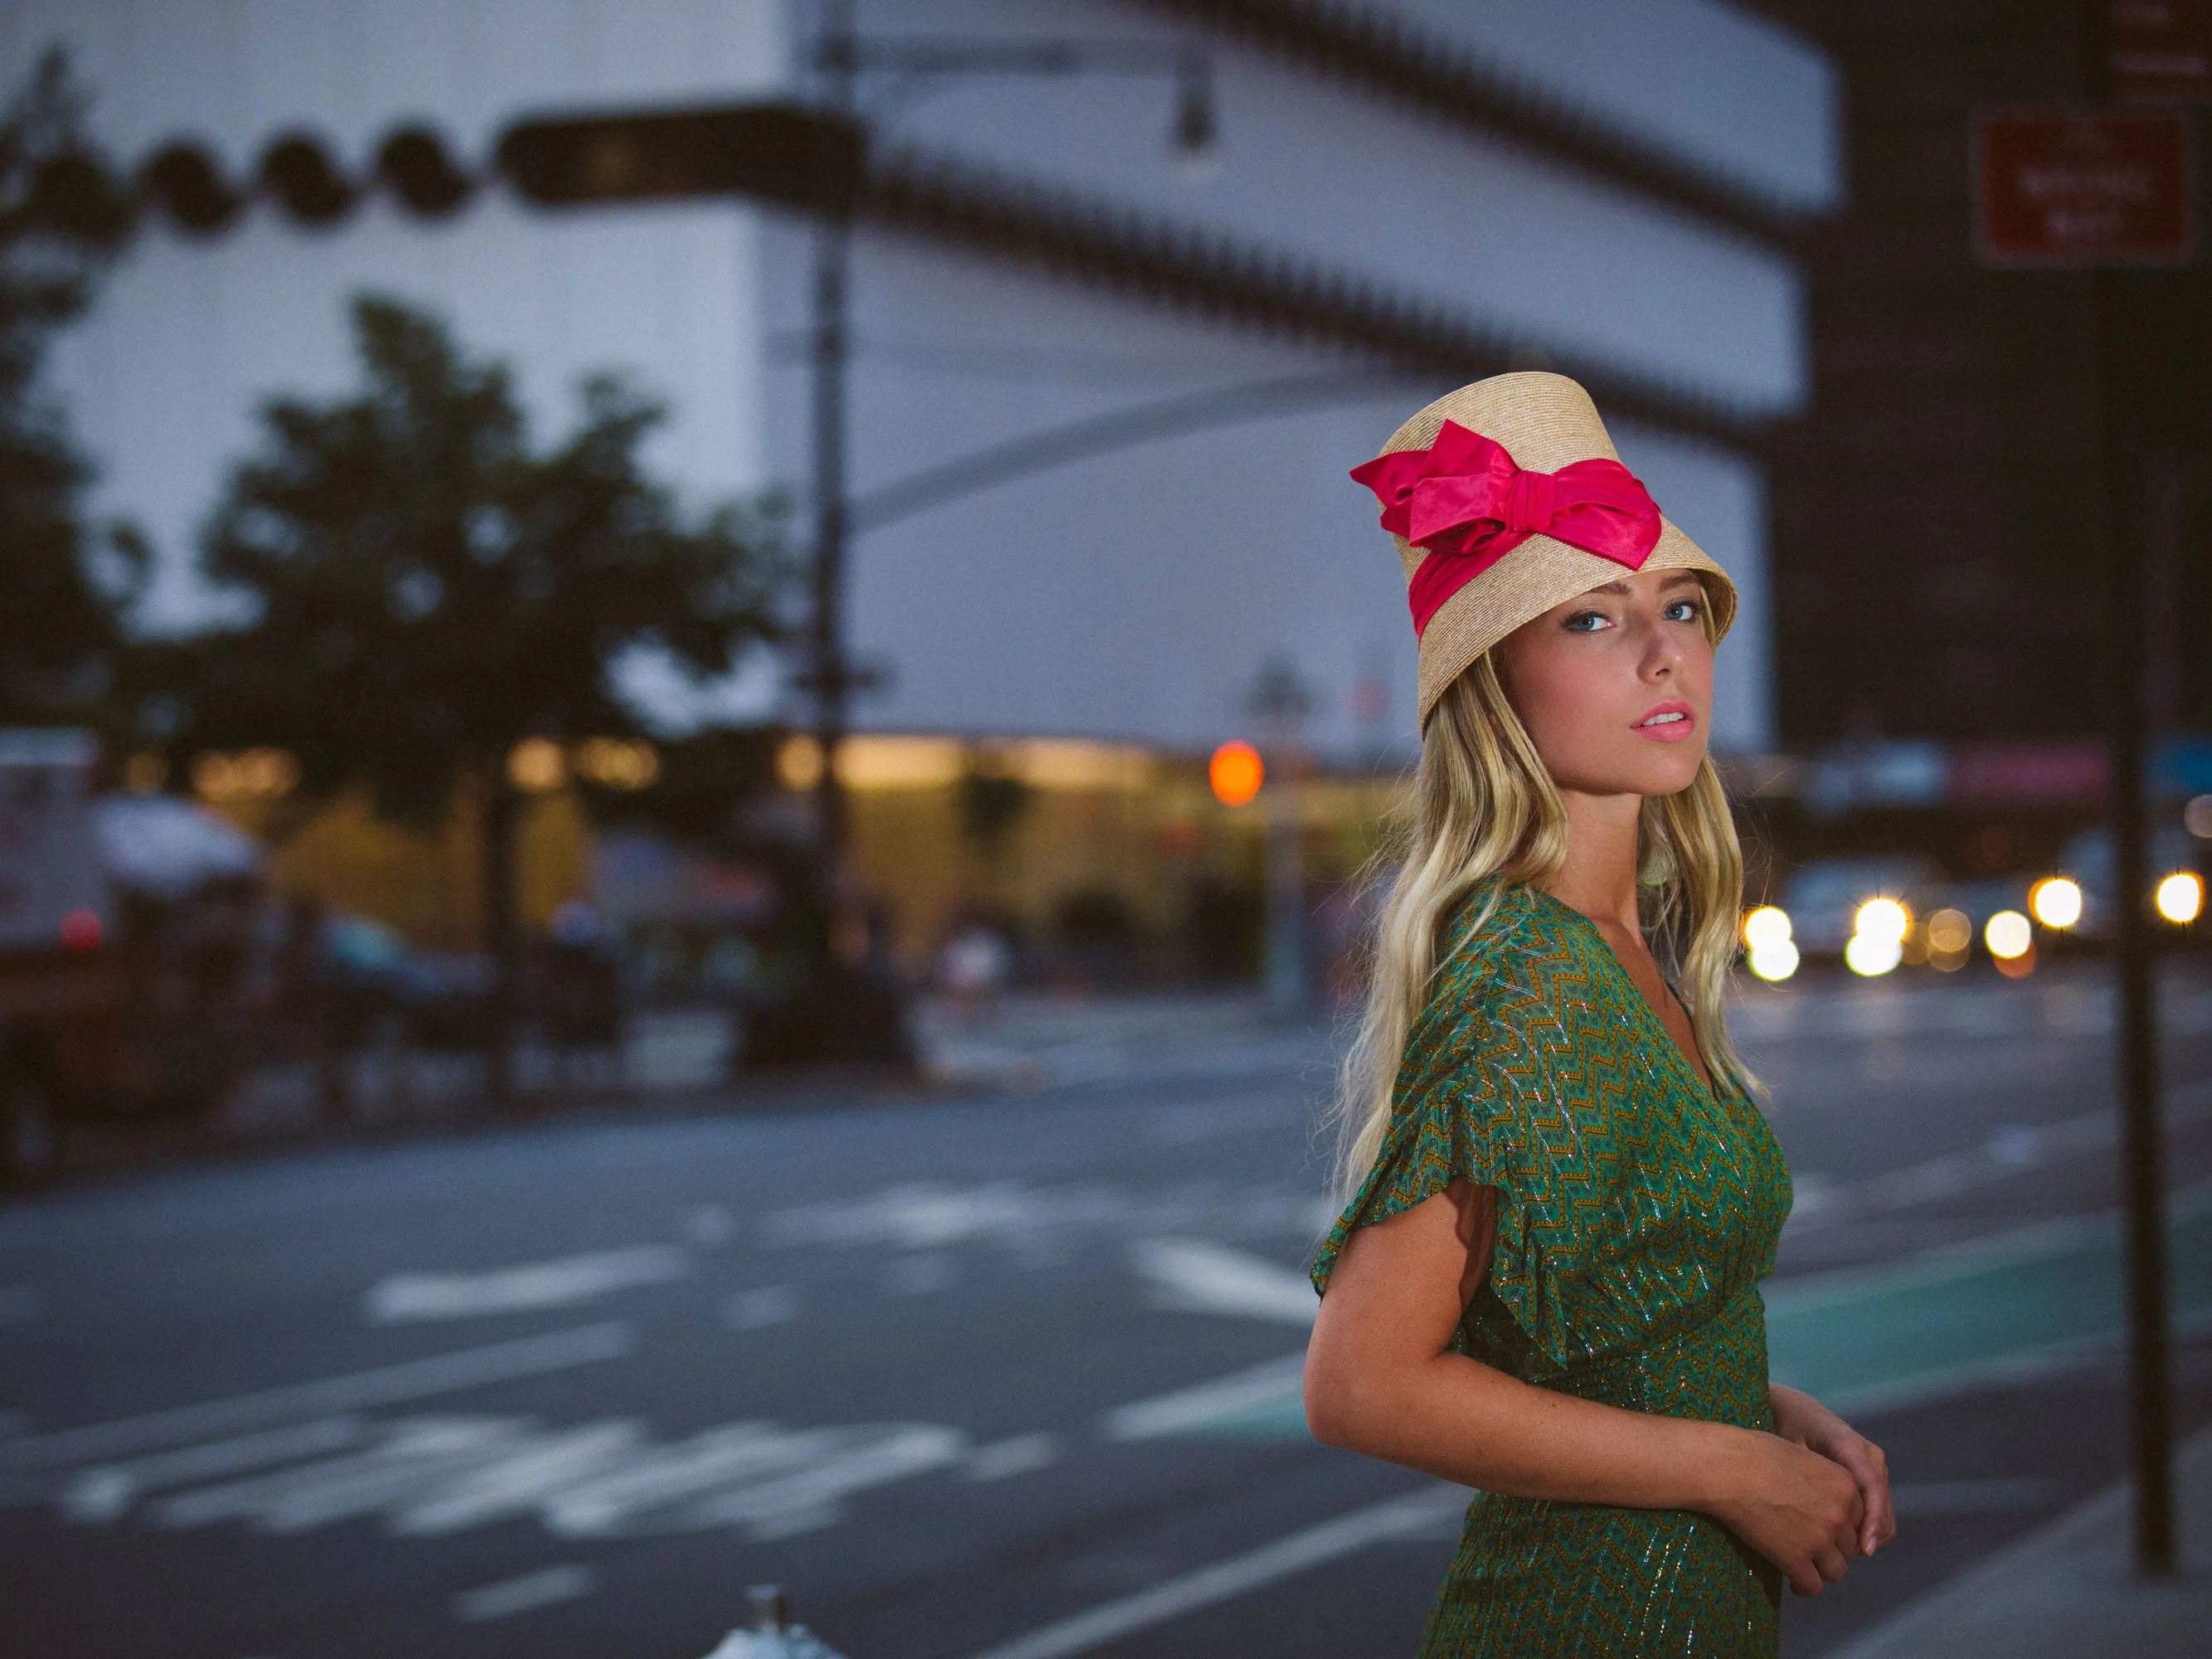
(1562, 1194)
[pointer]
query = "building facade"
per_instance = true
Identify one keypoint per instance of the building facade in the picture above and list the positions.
(1611, 210)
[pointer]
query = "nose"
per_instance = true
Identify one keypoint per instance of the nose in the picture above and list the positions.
(1662, 650)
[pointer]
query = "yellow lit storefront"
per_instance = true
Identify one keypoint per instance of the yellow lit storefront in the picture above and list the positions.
(944, 829)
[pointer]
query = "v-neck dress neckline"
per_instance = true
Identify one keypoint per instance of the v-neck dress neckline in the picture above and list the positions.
(1636, 998)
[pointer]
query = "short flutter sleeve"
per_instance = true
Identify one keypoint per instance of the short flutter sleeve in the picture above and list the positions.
(1486, 1093)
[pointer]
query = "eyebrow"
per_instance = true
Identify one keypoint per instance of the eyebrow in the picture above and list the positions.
(1674, 579)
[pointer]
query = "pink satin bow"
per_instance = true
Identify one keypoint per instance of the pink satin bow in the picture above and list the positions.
(1465, 501)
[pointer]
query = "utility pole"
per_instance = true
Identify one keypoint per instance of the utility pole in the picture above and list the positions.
(2127, 622)
(2127, 659)
(1280, 701)
(836, 63)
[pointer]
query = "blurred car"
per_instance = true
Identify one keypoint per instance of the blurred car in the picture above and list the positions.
(1823, 896)
(125, 949)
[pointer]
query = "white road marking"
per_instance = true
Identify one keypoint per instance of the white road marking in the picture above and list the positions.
(926, 1215)
(516, 1485)
(435, 1476)
(1196, 1276)
(810, 1497)
(542, 1588)
(762, 1306)
(2010, 1149)
(1039, 1224)
(104, 1491)
(421, 1452)
(1415, 1516)
(621, 1500)
(1020, 1455)
(1193, 1410)
(386, 1385)
(535, 1284)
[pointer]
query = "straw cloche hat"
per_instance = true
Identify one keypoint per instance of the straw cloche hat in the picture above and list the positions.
(1506, 498)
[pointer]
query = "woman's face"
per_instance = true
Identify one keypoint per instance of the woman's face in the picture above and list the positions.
(1616, 686)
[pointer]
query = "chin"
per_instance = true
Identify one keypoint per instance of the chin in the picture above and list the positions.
(1665, 774)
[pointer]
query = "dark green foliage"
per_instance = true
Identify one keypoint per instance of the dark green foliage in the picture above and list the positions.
(991, 802)
(62, 589)
(426, 590)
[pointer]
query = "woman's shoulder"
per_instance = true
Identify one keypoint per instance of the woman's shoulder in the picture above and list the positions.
(1496, 937)
(1496, 944)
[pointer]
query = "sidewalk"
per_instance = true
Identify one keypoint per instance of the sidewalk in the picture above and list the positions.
(2069, 1590)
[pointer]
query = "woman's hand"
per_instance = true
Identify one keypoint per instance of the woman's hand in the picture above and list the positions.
(1801, 1417)
(1794, 1507)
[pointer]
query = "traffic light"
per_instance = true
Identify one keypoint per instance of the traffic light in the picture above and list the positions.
(799, 157)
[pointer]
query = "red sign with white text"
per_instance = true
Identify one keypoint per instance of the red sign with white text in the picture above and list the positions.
(2086, 189)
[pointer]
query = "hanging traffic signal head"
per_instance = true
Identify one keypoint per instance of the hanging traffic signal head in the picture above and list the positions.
(782, 153)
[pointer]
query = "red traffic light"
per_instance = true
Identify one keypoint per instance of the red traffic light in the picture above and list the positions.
(1235, 773)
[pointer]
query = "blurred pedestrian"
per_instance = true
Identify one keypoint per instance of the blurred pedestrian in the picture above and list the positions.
(308, 999)
(580, 991)
(1561, 1192)
(972, 968)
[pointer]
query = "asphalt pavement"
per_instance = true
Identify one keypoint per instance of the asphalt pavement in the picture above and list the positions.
(1002, 1370)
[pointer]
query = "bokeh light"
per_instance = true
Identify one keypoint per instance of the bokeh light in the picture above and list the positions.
(1869, 954)
(2008, 935)
(537, 764)
(2180, 898)
(2055, 900)
(1235, 772)
(1884, 921)
(1766, 927)
(1773, 960)
(1950, 932)
(799, 762)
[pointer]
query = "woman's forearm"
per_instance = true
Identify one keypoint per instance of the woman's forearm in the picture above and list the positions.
(1467, 1422)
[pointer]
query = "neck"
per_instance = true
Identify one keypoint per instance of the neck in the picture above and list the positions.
(1598, 875)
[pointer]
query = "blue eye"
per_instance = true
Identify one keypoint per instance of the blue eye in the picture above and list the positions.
(1685, 610)
(1586, 622)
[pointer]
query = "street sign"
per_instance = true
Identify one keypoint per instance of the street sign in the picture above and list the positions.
(2085, 189)
(2162, 49)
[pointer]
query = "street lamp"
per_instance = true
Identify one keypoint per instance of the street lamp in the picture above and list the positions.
(841, 55)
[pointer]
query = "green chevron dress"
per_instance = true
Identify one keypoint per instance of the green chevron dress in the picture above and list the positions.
(1637, 1213)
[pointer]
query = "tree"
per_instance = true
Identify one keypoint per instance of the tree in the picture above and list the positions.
(427, 591)
(64, 590)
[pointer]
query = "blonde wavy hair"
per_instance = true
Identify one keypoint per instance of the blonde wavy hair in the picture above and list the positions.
(1484, 804)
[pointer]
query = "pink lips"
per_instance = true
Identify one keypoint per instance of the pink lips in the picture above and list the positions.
(1670, 722)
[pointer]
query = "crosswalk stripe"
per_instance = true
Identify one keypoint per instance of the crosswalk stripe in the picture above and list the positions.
(385, 1385)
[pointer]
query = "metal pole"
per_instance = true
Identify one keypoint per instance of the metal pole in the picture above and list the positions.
(2127, 664)
(2150, 1413)
(834, 62)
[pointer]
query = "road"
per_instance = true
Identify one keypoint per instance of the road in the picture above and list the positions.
(982, 1373)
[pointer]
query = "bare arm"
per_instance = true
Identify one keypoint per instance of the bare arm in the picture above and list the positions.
(1381, 1379)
